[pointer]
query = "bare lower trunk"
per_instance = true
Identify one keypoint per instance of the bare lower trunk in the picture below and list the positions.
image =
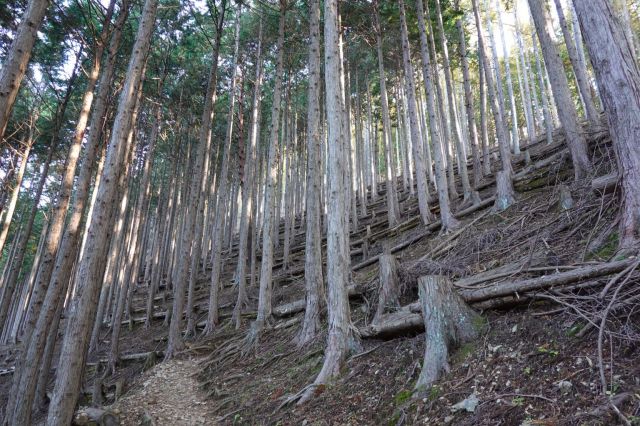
(446, 216)
(338, 230)
(268, 209)
(453, 115)
(91, 264)
(611, 53)
(416, 137)
(472, 132)
(560, 86)
(579, 70)
(249, 207)
(221, 206)
(393, 210)
(313, 241)
(506, 189)
(197, 190)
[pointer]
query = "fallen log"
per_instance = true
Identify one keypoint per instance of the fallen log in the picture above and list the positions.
(605, 184)
(394, 324)
(142, 356)
(546, 281)
(406, 321)
(95, 416)
(428, 229)
(296, 306)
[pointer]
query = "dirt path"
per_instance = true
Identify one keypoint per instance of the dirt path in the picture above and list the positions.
(165, 395)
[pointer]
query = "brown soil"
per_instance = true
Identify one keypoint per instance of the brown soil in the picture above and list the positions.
(167, 395)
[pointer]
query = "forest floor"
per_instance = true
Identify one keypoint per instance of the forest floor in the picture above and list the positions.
(168, 394)
(536, 362)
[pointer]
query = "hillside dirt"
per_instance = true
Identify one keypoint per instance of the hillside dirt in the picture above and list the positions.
(168, 394)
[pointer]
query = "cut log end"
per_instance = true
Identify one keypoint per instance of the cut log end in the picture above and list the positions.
(449, 322)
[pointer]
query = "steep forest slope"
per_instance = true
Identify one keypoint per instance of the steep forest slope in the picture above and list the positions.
(319, 212)
(537, 359)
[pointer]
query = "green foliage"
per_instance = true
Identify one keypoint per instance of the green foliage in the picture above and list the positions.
(402, 397)
(518, 401)
(463, 352)
(608, 249)
(544, 349)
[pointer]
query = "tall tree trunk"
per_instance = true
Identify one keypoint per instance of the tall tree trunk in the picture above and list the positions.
(314, 291)
(560, 87)
(337, 242)
(611, 53)
(515, 139)
(468, 101)
(15, 64)
(393, 210)
(11, 280)
(484, 128)
(443, 123)
(579, 70)
(212, 317)
(453, 115)
(546, 107)
(526, 98)
(13, 200)
(446, 216)
(270, 215)
(133, 252)
(197, 190)
(91, 265)
(416, 137)
(249, 207)
(505, 193)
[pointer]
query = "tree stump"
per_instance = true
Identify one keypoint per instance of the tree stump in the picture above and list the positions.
(448, 321)
(388, 297)
(365, 243)
(566, 200)
(505, 195)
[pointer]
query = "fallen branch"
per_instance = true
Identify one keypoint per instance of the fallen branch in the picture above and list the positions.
(544, 282)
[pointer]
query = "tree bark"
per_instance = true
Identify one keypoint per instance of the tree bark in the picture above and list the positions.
(196, 192)
(249, 210)
(560, 87)
(91, 265)
(468, 101)
(448, 323)
(314, 291)
(618, 77)
(339, 334)
(268, 209)
(506, 189)
(453, 115)
(393, 210)
(212, 317)
(416, 137)
(446, 216)
(15, 64)
(579, 70)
